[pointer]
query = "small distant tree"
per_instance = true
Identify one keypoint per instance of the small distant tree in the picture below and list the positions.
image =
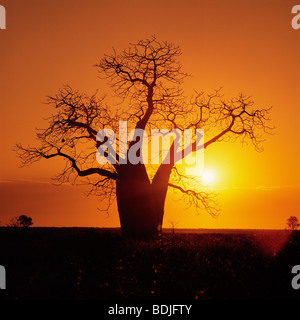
(20, 221)
(25, 221)
(292, 223)
(13, 222)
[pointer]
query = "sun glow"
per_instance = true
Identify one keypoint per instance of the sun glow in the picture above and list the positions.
(208, 177)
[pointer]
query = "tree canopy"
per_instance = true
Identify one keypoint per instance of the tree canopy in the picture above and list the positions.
(148, 78)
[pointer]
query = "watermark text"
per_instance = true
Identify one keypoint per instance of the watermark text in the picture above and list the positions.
(296, 279)
(296, 18)
(2, 277)
(2, 17)
(161, 146)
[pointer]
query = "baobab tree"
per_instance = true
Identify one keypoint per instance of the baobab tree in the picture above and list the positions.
(148, 78)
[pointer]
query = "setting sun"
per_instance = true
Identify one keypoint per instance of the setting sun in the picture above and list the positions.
(208, 177)
(150, 165)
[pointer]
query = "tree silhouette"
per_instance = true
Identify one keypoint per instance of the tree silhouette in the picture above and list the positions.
(292, 223)
(147, 77)
(13, 222)
(20, 221)
(25, 221)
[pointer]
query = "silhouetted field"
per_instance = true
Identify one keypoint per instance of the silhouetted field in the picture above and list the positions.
(80, 263)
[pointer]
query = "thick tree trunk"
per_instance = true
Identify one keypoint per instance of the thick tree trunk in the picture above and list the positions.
(140, 203)
(160, 189)
(138, 215)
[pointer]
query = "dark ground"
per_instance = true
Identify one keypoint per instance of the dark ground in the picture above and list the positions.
(80, 263)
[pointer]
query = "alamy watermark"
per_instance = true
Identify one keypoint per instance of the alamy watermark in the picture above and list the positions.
(162, 146)
(296, 18)
(2, 17)
(2, 277)
(296, 279)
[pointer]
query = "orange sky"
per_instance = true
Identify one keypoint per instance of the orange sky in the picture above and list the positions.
(246, 46)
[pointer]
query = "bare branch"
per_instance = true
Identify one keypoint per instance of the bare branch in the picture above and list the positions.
(147, 77)
(199, 200)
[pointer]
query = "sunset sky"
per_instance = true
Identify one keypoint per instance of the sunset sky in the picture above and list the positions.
(242, 46)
